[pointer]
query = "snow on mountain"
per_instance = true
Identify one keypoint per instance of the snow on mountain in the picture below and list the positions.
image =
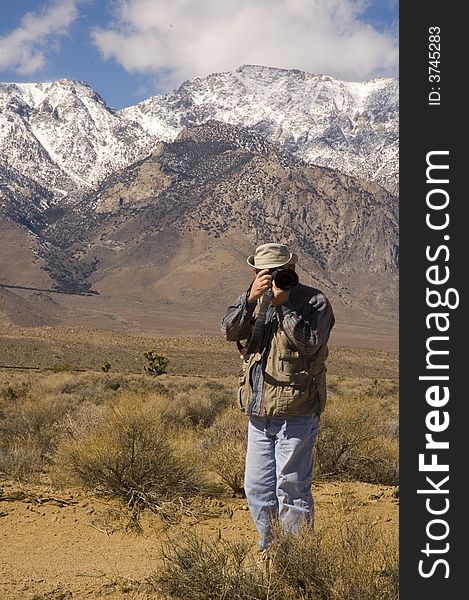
(22, 200)
(350, 126)
(63, 136)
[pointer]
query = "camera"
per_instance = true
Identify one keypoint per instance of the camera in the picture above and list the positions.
(284, 279)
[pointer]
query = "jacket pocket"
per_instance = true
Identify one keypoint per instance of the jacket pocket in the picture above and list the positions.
(299, 396)
(296, 383)
(241, 388)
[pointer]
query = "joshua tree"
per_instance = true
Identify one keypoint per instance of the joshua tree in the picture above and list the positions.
(156, 363)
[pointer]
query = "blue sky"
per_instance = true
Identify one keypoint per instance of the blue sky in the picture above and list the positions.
(128, 50)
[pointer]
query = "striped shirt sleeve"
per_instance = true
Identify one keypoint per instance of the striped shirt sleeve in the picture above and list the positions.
(307, 328)
(238, 320)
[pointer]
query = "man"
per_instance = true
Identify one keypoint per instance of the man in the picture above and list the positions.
(282, 386)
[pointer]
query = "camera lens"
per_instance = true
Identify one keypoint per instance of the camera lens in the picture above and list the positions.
(285, 279)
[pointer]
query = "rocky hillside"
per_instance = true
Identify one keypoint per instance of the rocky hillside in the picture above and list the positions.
(63, 136)
(160, 203)
(217, 191)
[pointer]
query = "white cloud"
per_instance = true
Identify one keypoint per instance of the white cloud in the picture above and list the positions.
(183, 39)
(25, 49)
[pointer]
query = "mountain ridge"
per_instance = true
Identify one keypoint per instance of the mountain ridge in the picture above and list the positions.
(105, 207)
(75, 140)
(224, 182)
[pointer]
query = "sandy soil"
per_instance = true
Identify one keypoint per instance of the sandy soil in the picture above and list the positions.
(57, 546)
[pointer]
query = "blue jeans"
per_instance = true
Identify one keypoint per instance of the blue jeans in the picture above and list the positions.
(279, 464)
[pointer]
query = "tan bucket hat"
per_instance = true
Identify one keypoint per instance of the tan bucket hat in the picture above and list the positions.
(270, 256)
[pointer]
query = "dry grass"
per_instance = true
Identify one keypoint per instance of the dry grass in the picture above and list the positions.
(21, 459)
(154, 442)
(38, 410)
(197, 403)
(29, 431)
(358, 435)
(224, 446)
(196, 568)
(345, 560)
(126, 453)
(357, 439)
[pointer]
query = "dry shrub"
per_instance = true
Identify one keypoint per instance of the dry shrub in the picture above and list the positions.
(198, 569)
(126, 453)
(359, 387)
(347, 560)
(29, 432)
(89, 386)
(95, 387)
(352, 443)
(224, 446)
(142, 384)
(34, 417)
(63, 368)
(383, 388)
(198, 403)
(11, 391)
(21, 459)
(37, 410)
(378, 463)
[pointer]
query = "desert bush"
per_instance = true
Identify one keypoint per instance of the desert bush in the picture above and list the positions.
(97, 387)
(21, 458)
(346, 560)
(378, 462)
(198, 569)
(383, 388)
(35, 417)
(82, 386)
(29, 433)
(13, 390)
(141, 384)
(352, 443)
(156, 363)
(224, 446)
(360, 387)
(126, 454)
(197, 403)
(86, 418)
(63, 367)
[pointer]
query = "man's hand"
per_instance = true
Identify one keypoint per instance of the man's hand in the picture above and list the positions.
(261, 283)
(279, 296)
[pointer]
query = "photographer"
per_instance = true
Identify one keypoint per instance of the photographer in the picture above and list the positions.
(282, 386)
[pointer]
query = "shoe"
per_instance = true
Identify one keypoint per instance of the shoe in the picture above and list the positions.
(265, 554)
(264, 560)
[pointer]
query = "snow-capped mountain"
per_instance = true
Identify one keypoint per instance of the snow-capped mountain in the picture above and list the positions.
(349, 126)
(216, 189)
(129, 203)
(63, 136)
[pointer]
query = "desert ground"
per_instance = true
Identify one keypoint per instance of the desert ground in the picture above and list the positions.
(58, 546)
(65, 541)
